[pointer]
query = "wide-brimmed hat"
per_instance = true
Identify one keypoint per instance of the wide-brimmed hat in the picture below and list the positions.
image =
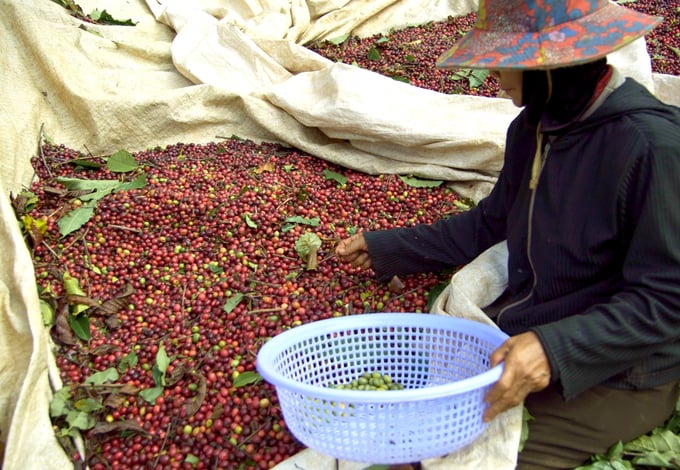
(521, 34)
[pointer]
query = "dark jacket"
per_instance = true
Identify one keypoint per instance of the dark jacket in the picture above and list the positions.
(594, 251)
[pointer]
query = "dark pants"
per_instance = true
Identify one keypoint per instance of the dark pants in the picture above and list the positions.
(564, 434)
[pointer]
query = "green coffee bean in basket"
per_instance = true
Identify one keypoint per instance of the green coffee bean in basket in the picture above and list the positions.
(370, 381)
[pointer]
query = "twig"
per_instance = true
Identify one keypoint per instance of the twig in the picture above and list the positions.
(264, 283)
(171, 424)
(129, 229)
(77, 239)
(40, 151)
(267, 310)
(88, 151)
(49, 248)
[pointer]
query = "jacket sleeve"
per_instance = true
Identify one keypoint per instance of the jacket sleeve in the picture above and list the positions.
(640, 325)
(434, 247)
(456, 240)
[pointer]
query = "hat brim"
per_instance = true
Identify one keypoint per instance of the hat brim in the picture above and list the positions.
(588, 38)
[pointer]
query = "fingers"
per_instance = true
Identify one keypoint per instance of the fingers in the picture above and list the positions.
(503, 396)
(351, 245)
(526, 369)
(499, 355)
(354, 250)
(358, 260)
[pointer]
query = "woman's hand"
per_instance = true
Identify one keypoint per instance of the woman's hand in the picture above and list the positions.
(526, 369)
(354, 250)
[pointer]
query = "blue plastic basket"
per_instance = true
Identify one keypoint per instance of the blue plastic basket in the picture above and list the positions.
(442, 362)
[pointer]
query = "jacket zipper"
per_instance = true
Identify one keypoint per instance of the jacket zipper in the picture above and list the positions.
(529, 237)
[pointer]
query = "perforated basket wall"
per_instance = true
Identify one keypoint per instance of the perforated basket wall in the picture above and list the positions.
(442, 362)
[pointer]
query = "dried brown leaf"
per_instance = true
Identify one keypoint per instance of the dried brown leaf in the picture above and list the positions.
(112, 322)
(129, 389)
(115, 400)
(218, 411)
(312, 259)
(117, 426)
(396, 285)
(18, 203)
(117, 302)
(65, 193)
(75, 299)
(193, 405)
(61, 331)
(103, 349)
(268, 166)
(176, 374)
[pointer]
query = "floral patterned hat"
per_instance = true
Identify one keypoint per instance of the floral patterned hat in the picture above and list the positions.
(541, 34)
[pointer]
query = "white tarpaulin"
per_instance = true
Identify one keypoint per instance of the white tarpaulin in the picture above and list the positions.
(193, 71)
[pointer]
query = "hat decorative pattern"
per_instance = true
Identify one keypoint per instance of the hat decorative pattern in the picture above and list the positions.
(526, 34)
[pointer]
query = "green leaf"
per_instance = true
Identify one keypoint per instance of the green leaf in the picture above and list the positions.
(215, 268)
(136, 183)
(78, 184)
(382, 40)
(291, 221)
(377, 467)
(339, 40)
(373, 54)
(232, 302)
(80, 325)
(31, 199)
(246, 378)
(477, 77)
(103, 17)
(337, 177)
(88, 405)
(401, 78)
(192, 460)
(524, 433)
(72, 285)
(59, 406)
(98, 378)
(434, 293)
(659, 459)
(83, 163)
(151, 394)
(128, 362)
(461, 205)
(306, 242)
(675, 50)
(314, 221)
(47, 313)
(162, 359)
(615, 451)
(459, 75)
(249, 222)
(47, 138)
(158, 376)
(420, 183)
(75, 219)
(80, 420)
(660, 440)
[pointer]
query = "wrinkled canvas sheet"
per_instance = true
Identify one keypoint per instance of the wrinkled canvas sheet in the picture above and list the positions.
(197, 72)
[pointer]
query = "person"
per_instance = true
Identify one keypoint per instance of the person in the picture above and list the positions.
(587, 202)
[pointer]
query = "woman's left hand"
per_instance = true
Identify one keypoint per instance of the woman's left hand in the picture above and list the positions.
(526, 370)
